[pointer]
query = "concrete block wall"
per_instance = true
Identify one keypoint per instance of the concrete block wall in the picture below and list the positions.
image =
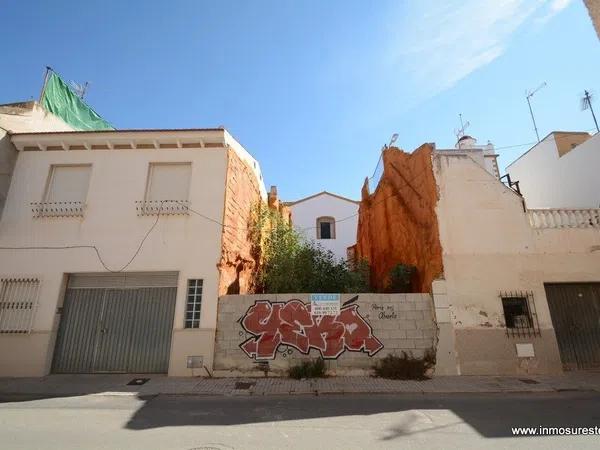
(282, 329)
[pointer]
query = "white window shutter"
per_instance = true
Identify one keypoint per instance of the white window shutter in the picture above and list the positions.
(68, 184)
(169, 182)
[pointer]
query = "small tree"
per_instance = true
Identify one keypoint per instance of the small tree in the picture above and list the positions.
(401, 277)
(288, 263)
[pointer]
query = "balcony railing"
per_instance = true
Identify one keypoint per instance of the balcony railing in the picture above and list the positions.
(58, 209)
(162, 207)
(564, 218)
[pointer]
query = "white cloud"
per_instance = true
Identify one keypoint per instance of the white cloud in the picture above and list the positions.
(553, 9)
(440, 43)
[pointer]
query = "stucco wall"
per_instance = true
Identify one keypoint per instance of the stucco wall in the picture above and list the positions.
(21, 118)
(380, 324)
(8, 157)
(489, 247)
(188, 244)
(306, 212)
(397, 223)
(548, 180)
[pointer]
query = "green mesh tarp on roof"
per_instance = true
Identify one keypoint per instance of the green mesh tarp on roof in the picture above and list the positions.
(61, 101)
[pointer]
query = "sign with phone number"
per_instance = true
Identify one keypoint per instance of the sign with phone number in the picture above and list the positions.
(325, 304)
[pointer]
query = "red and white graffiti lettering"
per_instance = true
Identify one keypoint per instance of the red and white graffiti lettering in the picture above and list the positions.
(291, 324)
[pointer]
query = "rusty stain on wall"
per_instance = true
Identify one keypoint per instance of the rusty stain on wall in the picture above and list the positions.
(237, 266)
(242, 191)
(397, 223)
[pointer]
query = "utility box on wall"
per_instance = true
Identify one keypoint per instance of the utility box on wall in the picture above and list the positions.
(195, 362)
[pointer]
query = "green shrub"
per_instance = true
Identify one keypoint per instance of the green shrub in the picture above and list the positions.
(308, 369)
(405, 366)
(400, 278)
(290, 263)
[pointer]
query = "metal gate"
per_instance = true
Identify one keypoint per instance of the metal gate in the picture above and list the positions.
(116, 323)
(575, 311)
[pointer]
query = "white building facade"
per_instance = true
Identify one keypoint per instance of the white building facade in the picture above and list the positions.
(561, 171)
(109, 245)
(520, 287)
(327, 219)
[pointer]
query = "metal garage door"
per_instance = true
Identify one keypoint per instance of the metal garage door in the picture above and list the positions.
(575, 311)
(116, 323)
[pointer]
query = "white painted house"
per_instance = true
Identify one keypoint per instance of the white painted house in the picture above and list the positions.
(109, 247)
(327, 219)
(561, 171)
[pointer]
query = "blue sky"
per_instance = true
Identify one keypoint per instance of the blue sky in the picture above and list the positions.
(313, 89)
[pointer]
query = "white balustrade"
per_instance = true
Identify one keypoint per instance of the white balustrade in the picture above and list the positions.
(564, 218)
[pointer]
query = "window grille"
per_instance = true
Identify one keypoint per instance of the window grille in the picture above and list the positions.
(194, 304)
(520, 314)
(18, 303)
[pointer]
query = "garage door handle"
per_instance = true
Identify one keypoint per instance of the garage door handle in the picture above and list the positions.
(103, 330)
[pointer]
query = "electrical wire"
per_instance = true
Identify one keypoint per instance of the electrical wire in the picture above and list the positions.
(93, 247)
(139, 248)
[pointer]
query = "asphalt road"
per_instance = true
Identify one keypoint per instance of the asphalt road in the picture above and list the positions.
(465, 421)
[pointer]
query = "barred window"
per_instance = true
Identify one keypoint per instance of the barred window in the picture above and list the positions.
(18, 302)
(194, 304)
(520, 314)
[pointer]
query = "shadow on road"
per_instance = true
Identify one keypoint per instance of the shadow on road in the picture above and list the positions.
(491, 415)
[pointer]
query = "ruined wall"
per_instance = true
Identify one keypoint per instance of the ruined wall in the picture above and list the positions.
(238, 263)
(242, 193)
(491, 248)
(397, 223)
(593, 7)
(279, 329)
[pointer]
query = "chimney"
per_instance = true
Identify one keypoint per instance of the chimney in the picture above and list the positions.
(272, 198)
(466, 142)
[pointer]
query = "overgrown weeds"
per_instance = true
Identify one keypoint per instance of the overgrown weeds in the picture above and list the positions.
(405, 366)
(308, 369)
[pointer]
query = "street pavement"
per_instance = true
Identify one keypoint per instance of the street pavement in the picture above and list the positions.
(128, 420)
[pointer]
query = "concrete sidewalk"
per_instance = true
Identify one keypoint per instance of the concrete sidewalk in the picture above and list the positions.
(65, 385)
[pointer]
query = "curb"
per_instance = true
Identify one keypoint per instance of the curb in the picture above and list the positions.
(244, 393)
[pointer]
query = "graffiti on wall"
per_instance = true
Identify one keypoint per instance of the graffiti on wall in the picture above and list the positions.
(275, 324)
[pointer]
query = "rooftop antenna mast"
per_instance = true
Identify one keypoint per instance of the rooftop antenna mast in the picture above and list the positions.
(463, 126)
(528, 95)
(80, 89)
(586, 102)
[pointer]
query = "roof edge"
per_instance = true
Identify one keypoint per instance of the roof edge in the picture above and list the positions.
(322, 193)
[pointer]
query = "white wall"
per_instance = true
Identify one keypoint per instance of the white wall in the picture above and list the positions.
(21, 118)
(489, 247)
(549, 181)
(305, 214)
(185, 243)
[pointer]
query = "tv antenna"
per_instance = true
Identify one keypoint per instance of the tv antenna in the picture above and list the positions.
(460, 132)
(80, 89)
(528, 95)
(586, 103)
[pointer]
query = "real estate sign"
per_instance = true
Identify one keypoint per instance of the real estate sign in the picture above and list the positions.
(325, 304)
